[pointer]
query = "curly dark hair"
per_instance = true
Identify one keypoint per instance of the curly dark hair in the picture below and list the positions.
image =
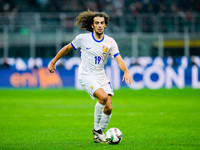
(85, 19)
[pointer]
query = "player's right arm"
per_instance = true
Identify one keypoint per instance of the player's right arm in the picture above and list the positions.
(65, 50)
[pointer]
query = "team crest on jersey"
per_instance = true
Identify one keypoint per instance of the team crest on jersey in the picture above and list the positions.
(105, 49)
(91, 87)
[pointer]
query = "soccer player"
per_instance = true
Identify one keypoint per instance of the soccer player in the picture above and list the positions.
(95, 48)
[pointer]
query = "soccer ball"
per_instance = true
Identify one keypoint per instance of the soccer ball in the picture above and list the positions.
(113, 136)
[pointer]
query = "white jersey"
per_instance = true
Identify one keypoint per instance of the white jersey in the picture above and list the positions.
(94, 53)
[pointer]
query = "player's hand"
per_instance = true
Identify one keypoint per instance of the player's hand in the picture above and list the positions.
(127, 78)
(51, 67)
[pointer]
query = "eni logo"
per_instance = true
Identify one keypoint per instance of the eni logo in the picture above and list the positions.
(40, 77)
(105, 49)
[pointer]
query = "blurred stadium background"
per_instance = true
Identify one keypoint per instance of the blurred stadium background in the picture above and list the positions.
(148, 32)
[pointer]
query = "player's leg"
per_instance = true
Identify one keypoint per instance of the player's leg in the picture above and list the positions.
(102, 97)
(106, 115)
(95, 90)
(105, 118)
(108, 107)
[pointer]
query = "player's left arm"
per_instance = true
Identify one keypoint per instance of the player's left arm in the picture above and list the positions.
(122, 65)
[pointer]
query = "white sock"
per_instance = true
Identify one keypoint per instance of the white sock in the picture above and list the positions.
(104, 121)
(98, 115)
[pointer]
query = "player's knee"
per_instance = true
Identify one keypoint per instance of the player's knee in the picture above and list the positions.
(108, 110)
(104, 98)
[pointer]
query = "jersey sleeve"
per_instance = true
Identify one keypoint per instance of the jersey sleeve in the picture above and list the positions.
(114, 49)
(76, 43)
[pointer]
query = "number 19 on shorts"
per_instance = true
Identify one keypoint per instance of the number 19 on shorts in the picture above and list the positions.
(97, 59)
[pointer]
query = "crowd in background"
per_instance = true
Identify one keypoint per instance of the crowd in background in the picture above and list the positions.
(115, 7)
(7, 6)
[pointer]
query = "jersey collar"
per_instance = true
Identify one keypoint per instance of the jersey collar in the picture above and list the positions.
(96, 39)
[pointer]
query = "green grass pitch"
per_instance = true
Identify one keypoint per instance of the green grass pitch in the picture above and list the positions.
(56, 119)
